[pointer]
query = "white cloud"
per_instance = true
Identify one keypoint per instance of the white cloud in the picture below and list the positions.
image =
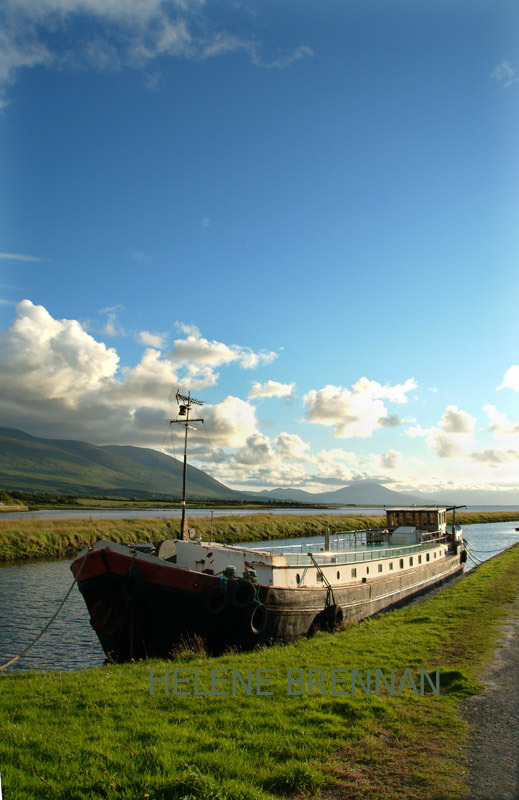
(140, 256)
(231, 423)
(291, 447)
(155, 340)
(18, 257)
(494, 457)
(511, 378)
(499, 423)
(393, 459)
(457, 421)
(19, 49)
(58, 380)
(127, 33)
(506, 74)
(453, 436)
(256, 450)
(271, 389)
(194, 348)
(111, 326)
(355, 413)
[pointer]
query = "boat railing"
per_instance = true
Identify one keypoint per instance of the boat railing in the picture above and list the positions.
(297, 554)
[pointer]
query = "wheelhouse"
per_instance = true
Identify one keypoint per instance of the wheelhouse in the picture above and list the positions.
(423, 519)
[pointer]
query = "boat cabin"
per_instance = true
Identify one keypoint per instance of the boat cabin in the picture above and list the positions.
(423, 519)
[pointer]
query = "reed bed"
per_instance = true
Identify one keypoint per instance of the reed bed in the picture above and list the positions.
(59, 538)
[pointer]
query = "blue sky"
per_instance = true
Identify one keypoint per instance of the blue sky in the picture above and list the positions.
(305, 213)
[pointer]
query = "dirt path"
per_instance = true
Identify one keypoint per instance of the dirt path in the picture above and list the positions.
(494, 718)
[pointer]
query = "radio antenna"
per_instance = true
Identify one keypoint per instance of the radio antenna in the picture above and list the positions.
(185, 402)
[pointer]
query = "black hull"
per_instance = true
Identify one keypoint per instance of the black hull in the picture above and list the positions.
(137, 617)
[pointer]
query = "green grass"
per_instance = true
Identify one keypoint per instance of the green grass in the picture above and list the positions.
(99, 733)
(39, 538)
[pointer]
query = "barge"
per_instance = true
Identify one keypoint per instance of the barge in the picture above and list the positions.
(146, 600)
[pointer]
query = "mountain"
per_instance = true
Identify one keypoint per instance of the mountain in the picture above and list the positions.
(65, 466)
(359, 493)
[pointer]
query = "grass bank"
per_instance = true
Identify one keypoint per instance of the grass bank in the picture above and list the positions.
(50, 537)
(99, 733)
(42, 538)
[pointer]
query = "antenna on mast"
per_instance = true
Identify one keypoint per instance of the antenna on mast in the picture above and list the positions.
(185, 401)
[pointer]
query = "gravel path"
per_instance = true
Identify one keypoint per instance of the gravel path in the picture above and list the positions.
(494, 718)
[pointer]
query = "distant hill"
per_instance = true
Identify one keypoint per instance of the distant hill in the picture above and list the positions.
(65, 466)
(359, 493)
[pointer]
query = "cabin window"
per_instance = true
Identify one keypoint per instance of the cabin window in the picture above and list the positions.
(435, 553)
(354, 572)
(419, 559)
(380, 567)
(298, 578)
(338, 575)
(427, 557)
(411, 561)
(401, 563)
(320, 576)
(390, 565)
(367, 570)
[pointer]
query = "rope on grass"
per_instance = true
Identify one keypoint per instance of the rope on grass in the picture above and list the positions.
(51, 620)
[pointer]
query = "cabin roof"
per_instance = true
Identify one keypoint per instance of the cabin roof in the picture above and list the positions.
(416, 508)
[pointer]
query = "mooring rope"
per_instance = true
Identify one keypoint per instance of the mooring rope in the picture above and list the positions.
(51, 620)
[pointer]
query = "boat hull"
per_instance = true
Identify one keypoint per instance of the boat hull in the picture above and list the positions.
(142, 607)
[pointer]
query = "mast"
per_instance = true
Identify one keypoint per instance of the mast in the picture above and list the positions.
(185, 402)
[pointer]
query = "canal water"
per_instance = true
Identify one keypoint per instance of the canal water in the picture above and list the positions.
(31, 592)
(194, 513)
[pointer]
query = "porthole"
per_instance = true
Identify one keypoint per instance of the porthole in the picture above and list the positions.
(338, 575)
(298, 578)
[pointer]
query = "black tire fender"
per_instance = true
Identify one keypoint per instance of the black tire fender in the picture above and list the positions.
(334, 616)
(216, 598)
(258, 619)
(242, 593)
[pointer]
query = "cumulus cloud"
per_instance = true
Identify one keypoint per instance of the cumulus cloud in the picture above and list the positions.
(511, 378)
(453, 435)
(291, 447)
(194, 348)
(391, 460)
(495, 457)
(155, 340)
(231, 423)
(357, 412)
(499, 424)
(271, 389)
(257, 450)
(58, 380)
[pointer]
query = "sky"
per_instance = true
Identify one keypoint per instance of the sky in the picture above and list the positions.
(305, 214)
